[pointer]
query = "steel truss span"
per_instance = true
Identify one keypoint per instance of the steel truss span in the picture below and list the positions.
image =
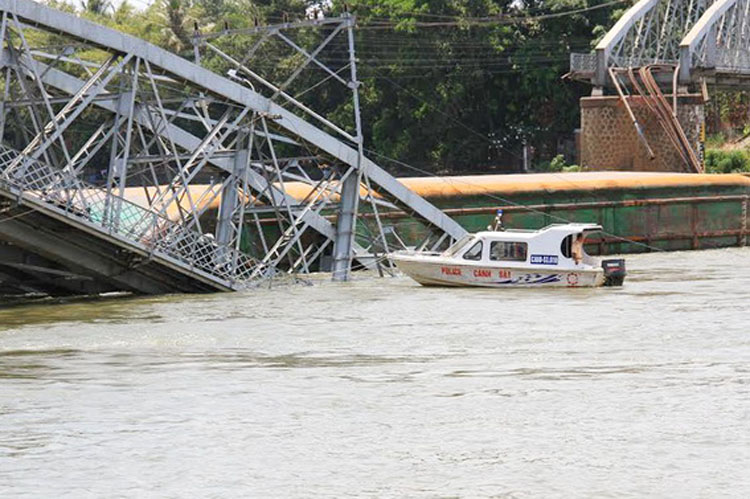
(215, 169)
(705, 38)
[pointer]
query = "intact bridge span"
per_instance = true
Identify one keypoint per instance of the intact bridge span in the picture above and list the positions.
(657, 63)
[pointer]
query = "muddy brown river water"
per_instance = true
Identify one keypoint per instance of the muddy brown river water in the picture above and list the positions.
(381, 388)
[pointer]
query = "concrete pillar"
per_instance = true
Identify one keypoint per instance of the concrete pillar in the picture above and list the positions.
(345, 225)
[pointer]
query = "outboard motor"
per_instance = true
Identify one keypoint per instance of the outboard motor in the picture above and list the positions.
(614, 272)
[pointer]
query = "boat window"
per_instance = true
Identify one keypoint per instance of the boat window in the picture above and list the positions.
(475, 252)
(565, 246)
(508, 250)
(458, 245)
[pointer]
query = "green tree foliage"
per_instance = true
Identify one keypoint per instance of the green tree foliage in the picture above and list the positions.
(176, 19)
(97, 7)
(448, 85)
(461, 84)
(718, 161)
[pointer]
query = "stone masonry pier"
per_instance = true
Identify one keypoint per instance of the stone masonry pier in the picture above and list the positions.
(609, 140)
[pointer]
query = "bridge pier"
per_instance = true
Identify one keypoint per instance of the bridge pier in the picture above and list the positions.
(609, 140)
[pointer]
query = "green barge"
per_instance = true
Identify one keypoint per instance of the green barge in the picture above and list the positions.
(638, 211)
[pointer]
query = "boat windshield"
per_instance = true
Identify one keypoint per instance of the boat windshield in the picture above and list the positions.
(458, 245)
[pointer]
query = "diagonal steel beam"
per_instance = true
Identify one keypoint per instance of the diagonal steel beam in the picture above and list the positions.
(53, 130)
(46, 17)
(69, 84)
(616, 34)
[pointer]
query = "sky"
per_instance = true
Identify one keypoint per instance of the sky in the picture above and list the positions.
(138, 4)
(141, 4)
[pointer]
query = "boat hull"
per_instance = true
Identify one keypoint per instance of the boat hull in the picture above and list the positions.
(439, 272)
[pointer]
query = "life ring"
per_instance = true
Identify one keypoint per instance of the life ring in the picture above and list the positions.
(572, 279)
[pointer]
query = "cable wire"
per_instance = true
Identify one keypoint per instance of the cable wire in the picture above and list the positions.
(493, 20)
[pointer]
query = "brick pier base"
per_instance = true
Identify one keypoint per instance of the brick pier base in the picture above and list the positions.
(609, 140)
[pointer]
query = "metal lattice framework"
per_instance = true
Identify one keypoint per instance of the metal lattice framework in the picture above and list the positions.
(120, 218)
(701, 36)
(96, 114)
(650, 33)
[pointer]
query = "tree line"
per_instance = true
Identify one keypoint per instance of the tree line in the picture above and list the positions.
(449, 86)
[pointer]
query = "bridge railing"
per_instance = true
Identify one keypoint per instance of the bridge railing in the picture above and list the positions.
(152, 231)
(582, 63)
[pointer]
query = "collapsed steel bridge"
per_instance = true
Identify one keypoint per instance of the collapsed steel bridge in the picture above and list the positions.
(126, 167)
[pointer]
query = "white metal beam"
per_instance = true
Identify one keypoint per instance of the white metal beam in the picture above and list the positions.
(69, 84)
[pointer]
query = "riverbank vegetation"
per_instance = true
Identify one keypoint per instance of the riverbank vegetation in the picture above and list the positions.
(448, 86)
(718, 161)
(728, 146)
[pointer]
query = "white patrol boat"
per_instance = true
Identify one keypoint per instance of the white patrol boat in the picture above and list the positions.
(552, 256)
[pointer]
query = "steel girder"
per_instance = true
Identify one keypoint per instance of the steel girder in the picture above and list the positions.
(699, 35)
(366, 173)
(35, 13)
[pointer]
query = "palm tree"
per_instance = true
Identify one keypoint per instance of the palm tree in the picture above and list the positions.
(176, 31)
(98, 7)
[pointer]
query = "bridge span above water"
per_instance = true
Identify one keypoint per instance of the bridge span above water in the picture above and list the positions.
(657, 63)
(705, 39)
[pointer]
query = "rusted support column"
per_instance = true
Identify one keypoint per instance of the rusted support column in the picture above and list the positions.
(649, 227)
(602, 220)
(637, 125)
(742, 239)
(694, 225)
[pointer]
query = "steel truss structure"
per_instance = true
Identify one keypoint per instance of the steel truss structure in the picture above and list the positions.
(719, 42)
(702, 37)
(217, 168)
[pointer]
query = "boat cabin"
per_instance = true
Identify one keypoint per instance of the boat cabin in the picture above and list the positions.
(551, 246)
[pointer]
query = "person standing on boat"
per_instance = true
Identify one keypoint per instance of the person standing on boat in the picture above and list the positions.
(498, 223)
(576, 249)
